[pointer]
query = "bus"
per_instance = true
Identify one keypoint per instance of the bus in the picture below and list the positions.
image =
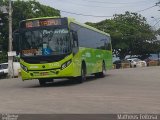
(59, 47)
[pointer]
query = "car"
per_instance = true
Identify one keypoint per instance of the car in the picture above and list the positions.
(3, 69)
(121, 64)
(135, 62)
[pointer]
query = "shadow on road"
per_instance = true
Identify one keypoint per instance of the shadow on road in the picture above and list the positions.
(67, 82)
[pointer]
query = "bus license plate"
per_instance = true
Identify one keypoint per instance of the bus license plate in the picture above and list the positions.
(44, 73)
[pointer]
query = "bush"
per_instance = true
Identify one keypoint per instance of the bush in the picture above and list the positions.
(3, 57)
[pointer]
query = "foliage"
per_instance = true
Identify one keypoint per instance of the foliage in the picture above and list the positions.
(130, 34)
(3, 57)
(31, 9)
(22, 10)
(25, 10)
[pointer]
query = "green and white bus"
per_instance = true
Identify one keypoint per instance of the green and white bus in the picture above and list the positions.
(56, 47)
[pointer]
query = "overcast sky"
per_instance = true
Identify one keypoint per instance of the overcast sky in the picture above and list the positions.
(105, 8)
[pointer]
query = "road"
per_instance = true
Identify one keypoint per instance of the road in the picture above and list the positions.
(133, 90)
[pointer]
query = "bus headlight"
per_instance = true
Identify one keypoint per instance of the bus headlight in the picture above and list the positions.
(24, 68)
(66, 64)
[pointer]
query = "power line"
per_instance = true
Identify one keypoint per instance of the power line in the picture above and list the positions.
(99, 6)
(146, 9)
(156, 23)
(103, 16)
(114, 2)
(84, 14)
(92, 6)
(102, 2)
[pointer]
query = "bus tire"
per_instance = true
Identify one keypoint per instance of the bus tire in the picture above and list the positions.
(82, 78)
(42, 82)
(103, 73)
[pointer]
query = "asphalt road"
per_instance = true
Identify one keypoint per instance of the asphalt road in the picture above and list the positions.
(134, 90)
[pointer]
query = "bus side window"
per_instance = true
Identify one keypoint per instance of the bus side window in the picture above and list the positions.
(74, 41)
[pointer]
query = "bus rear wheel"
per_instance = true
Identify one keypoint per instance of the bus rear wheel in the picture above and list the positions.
(103, 73)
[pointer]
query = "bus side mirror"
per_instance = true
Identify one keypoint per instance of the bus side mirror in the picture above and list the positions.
(16, 41)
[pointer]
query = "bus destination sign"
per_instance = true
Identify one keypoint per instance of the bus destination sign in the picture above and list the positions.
(43, 22)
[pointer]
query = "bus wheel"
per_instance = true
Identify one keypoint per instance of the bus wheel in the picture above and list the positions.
(42, 82)
(103, 73)
(82, 78)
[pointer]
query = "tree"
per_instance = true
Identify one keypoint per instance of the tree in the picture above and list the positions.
(23, 10)
(130, 34)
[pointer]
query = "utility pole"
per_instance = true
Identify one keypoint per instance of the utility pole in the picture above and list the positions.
(10, 56)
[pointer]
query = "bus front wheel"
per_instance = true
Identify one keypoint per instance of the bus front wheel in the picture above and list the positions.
(43, 82)
(82, 78)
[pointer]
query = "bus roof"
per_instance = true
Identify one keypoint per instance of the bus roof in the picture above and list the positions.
(42, 18)
(89, 27)
(70, 20)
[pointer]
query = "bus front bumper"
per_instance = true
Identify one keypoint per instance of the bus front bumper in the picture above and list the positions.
(55, 73)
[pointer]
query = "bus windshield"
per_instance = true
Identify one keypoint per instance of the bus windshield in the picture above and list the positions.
(45, 41)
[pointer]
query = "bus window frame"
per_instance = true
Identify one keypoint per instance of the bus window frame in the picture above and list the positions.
(21, 30)
(74, 41)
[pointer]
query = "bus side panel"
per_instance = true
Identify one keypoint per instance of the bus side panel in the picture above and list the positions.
(77, 64)
(108, 59)
(100, 56)
(84, 54)
(93, 59)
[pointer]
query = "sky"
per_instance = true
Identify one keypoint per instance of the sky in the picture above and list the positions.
(106, 8)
